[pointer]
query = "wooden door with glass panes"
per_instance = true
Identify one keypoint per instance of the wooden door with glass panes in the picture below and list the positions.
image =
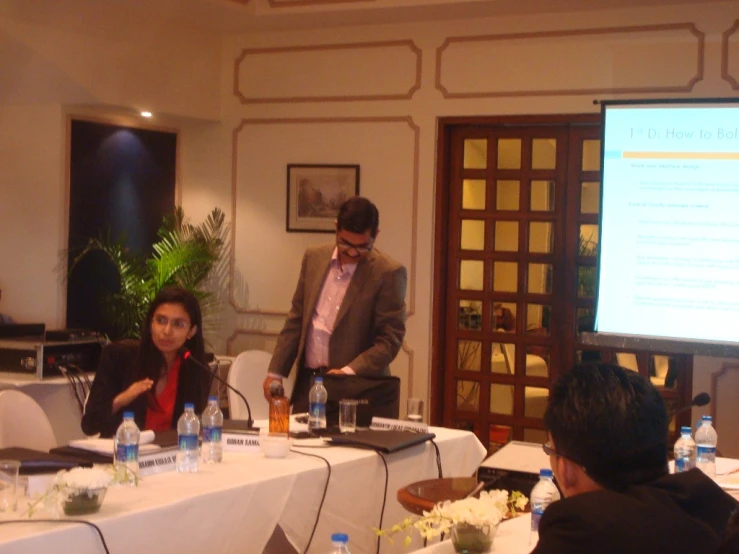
(515, 275)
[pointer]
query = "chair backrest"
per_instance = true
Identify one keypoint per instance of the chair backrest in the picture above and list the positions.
(23, 423)
(247, 374)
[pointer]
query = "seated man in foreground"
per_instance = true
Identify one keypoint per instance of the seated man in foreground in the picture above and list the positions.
(608, 451)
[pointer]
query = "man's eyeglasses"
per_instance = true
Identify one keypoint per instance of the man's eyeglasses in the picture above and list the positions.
(549, 451)
(345, 247)
(177, 323)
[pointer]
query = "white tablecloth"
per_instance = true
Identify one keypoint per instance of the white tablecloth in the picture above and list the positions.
(233, 507)
(512, 538)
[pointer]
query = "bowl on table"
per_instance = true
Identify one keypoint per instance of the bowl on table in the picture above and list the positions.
(274, 446)
(79, 502)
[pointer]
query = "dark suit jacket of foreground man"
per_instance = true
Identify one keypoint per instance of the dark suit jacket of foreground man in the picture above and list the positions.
(685, 513)
(369, 327)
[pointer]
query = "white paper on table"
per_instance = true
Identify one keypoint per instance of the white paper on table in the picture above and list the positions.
(295, 427)
(105, 446)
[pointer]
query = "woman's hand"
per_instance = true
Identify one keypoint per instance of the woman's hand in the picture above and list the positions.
(131, 393)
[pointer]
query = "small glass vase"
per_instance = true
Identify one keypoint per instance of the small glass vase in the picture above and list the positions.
(469, 539)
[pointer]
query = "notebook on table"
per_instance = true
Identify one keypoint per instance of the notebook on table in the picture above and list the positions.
(96, 455)
(35, 461)
(383, 441)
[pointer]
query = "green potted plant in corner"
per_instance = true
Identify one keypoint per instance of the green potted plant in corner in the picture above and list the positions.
(184, 255)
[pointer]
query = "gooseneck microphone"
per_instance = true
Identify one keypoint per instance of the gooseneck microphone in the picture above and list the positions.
(700, 399)
(187, 355)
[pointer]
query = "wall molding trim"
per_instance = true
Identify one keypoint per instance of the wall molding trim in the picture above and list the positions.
(245, 98)
(596, 35)
(238, 332)
(725, 72)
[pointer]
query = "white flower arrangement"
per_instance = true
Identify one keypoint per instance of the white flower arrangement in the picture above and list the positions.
(84, 478)
(85, 484)
(485, 511)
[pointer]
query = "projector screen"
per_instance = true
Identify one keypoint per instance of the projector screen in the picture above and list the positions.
(669, 230)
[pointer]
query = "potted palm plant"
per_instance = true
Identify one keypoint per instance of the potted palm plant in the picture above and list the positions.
(184, 255)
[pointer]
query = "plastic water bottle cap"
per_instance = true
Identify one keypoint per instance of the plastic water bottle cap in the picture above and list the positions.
(212, 399)
(685, 429)
(189, 406)
(127, 415)
(318, 380)
(545, 472)
(707, 418)
(340, 537)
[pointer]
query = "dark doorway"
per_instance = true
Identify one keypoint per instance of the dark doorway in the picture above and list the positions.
(122, 182)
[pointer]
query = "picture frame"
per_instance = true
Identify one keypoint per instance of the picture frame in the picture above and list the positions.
(314, 194)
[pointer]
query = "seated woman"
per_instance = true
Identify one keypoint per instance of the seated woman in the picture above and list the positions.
(149, 378)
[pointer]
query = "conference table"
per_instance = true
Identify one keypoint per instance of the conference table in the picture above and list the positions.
(514, 535)
(235, 506)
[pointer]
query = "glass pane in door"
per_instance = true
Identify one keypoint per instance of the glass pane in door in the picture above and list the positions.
(475, 154)
(540, 279)
(472, 235)
(542, 196)
(504, 317)
(468, 396)
(471, 274)
(473, 194)
(506, 236)
(509, 153)
(505, 276)
(589, 197)
(507, 196)
(543, 153)
(591, 155)
(469, 355)
(501, 399)
(470, 315)
(541, 237)
(588, 245)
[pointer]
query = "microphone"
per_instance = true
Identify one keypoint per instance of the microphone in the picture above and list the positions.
(187, 355)
(700, 399)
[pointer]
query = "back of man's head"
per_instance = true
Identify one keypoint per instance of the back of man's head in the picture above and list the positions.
(358, 215)
(612, 422)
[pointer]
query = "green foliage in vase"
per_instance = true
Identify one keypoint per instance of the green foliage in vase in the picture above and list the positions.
(185, 255)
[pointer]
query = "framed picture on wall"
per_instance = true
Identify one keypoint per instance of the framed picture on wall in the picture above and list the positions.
(314, 194)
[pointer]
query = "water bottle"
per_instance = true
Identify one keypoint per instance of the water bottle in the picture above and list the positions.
(684, 451)
(127, 450)
(212, 448)
(706, 440)
(188, 428)
(317, 405)
(339, 542)
(542, 495)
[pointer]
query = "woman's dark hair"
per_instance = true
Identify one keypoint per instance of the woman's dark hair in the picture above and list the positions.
(358, 215)
(611, 421)
(149, 360)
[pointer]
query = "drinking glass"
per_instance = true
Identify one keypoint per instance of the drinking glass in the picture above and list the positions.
(415, 410)
(9, 485)
(348, 416)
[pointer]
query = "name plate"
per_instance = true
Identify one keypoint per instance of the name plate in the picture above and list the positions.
(160, 461)
(240, 442)
(387, 424)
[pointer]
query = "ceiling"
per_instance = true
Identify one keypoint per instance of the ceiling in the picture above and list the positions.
(236, 16)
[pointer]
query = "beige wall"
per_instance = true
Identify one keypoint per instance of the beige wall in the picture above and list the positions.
(302, 99)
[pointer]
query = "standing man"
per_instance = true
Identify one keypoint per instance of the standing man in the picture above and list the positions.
(608, 451)
(348, 310)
